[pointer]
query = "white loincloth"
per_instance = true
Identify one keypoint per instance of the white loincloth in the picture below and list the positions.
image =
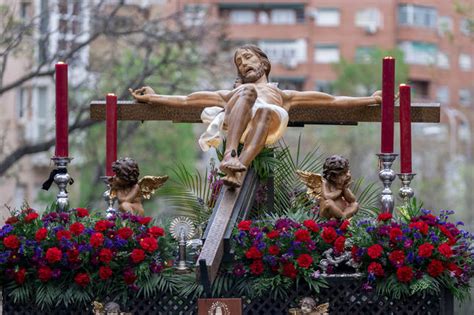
(214, 116)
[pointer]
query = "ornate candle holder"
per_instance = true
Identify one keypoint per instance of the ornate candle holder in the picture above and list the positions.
(182, 228)
(406, 192)
(61, 179)
(109, 201)
(387, 176)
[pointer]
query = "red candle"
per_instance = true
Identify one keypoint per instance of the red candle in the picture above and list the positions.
(111, 133)
(388, 85)
(61, 111)
(405, 129)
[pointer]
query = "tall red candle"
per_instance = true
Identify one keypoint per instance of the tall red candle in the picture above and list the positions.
(111, 133)
(405, 129)
(388, 85)
(62, 149)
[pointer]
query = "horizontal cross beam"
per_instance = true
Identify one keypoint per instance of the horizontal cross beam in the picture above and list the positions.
(131, 110)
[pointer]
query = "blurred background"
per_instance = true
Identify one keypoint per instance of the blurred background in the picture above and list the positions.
(181, 46)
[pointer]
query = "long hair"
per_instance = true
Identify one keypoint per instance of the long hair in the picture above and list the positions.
(260, 54)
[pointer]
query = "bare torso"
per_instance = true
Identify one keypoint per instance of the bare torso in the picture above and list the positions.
(267, 92)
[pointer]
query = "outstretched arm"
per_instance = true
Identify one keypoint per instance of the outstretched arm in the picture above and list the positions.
(314, 99)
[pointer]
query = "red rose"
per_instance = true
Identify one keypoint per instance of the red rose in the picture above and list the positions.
(105, 255)
(329, 234)
(105, 272)
(144, 220)
(404, 274)
(97, 239)
(53, 255)
(455, 269)
(344, 225)
(311, 225)
(82, 279)
(149, 244)
(77, 228)
(73, 255)
(81, 212)
(395, 234)
(253, 253)
(384, 216)
(273, 250)
(375, 251)
(156, 231)
(376, 269)
(30, 217)
(397, 257)
(244, 225)
(11, 220)
(304, 260)
(137, 255)
(11, 241)
(125, 232)
(44, 273)
(63, 234)
(273, 234)
(425, 250)
(41, 234)
(289, 270)
(20, 276)
(435, 268)
(421, 226)
(102, 225)
(445, 250)
(256, 267)
(339, 244)
(302, 235)
(129, 276)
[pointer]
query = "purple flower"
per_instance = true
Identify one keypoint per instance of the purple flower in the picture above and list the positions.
(254, 231)
(120, 242)
(4, 256)
(239, 270)
(56, 273)
(367, 287)
(410, 257)
(384, 230)
(260, 245)
(7, 228)
(271, 260)
(417, 235)
(371, 276)
(156, 267)
(426, 211)
(408, 243)
(370, 229)
(311, 245)
(316, 274)
(64, 217)
(108, 243)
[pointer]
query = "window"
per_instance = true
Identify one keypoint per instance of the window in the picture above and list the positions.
(25, 8)
(465, 97)
(21, 103)
(42, 113)
(466, 26)
(243, 16)
(369, 19)
(420, 88)
(364, 54)
(263, 17)
(194, 14)
(325, 86)
(70, 24)
(420, 53)
(442, 60)
(417, 16)
(442, 94)
(327, 17)
(326, 54)
(465, 62)
(445, 25)
(288, 53)
(283, 16)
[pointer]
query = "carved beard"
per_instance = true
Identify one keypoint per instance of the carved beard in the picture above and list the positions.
(257, 74)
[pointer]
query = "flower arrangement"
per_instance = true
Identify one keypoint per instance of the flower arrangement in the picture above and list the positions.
(76, 256)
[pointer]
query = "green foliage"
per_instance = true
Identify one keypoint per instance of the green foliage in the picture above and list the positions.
(410, 210)
(367, 197)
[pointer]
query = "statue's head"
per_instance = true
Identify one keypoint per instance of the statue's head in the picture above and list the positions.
(126, 169)
(252, 63)
(336, 169)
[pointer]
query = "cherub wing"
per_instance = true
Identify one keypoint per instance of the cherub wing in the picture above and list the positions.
(149, 184)
(313, 181)
(322, 309)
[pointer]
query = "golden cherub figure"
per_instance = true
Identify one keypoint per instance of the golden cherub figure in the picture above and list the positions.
(331, 189)
(128, 189)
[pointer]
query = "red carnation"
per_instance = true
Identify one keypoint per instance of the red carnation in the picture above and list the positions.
(11, 241)
(77, 228)
(125, 232)
(20, 276)
(302, 235)
(273, 234)
(44, 273)
(244, 225)
(149, 244)
(11, 220)
(375, 251)
(405, 274)
(137, 255)
(397, 257)
(129, 276)
(376, 269)
(395, 234)
(53, 255)
(425, 250)
(105, 255)
(304, 260)
(156, 231)
(63, 234)
(97, 239)
(82, 279)
(289, 270)
(144, 220)
(384, 216)
(445, 250)
(73, 255)
(253, 253)
(435, 268)
(274, 250)
(329, 234)
(421, 226)
(256, 267)
(339, 244)
(311, 225)
(105, 272)
(30, 217)
(102, 225)
(41, 234)
(82, 212)
(344, 225)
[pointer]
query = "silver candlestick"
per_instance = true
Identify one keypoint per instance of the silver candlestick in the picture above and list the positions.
(406, 192)
(387, 176)
(111, 211)
(62, 179)
(182, 228)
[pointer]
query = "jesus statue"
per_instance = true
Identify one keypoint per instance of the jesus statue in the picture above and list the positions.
(254, 113)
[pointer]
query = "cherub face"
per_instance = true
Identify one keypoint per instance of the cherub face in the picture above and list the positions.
(249, 65)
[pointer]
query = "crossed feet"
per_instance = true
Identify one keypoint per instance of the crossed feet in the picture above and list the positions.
(231, 166)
